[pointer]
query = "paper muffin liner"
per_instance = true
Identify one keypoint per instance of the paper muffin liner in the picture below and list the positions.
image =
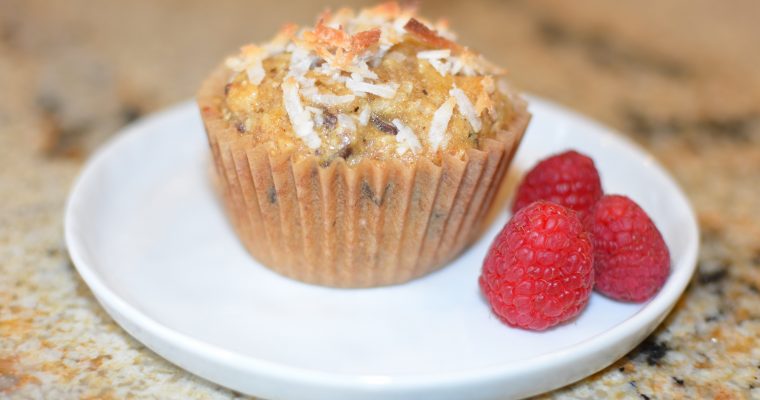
(373, 224)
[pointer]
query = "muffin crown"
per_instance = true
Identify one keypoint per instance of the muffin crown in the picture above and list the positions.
(379, 84)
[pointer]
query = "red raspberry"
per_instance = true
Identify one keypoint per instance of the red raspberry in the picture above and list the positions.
(569, 179)
(631, 260)
(539, 269)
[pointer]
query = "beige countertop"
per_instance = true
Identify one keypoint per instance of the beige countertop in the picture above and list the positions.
(679, 77)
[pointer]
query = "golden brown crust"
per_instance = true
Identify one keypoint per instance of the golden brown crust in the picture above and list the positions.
(379, 84)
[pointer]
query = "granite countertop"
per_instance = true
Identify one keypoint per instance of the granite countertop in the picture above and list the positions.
(680, 77)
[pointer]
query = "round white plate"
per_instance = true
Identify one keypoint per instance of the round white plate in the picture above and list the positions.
(146, 233)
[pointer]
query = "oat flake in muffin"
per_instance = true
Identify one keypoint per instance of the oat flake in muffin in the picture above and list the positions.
(381, 84)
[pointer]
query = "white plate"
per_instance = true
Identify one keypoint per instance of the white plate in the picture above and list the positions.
(147, 235)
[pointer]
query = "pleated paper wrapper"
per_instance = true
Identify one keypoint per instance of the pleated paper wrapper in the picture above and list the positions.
(372, 224)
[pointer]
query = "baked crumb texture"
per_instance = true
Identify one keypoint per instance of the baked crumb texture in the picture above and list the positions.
(379, 84)
(366, 151)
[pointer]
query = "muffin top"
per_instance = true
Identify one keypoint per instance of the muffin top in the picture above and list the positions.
(378, 84)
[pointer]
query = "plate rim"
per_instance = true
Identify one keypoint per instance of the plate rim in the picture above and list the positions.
(648, 318)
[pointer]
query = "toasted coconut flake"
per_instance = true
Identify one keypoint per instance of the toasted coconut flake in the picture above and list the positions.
(300, 118)
(361, 71)
(249, 60)
(466, 108)
(456, 65)
(326, 70)
(234, 63)
(398, 26)
(406, 139)
(429, 36)
(346, 123)
(301, 61)
(326, 99)
(249, 52)
(338, 47)
(440, 60)
(364, 40)
(438, 124)
(317, 114)
(327, 36)
(382, 90)
(376, 58)
(434, 54)
(364, 116)
(256, 72)
(442, 67)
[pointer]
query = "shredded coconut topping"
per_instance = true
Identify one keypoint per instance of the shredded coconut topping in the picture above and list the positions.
(364, 116)
(301, 61)
(434, 54)
(346, 123)
(326, 99)
(383, 90)
(255, 72)
(344, 48)
(443, 67)
(406, 138)
(317, 113)
(300, 118)
(249, 60)
(466, 108)
(437, 132)
(440, 60)
(422, 32)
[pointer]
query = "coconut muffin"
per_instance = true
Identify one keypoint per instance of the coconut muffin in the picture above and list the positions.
(362, 151)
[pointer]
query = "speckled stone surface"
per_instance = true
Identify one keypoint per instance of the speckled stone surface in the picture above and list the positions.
(679, 77)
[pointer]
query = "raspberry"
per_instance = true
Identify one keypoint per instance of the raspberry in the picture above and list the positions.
(539, 269)
(631, 260)
(569, 179)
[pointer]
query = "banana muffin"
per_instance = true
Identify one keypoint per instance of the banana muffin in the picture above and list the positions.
(363, 151)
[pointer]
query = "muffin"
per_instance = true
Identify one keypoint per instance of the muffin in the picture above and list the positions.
(363, 151)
